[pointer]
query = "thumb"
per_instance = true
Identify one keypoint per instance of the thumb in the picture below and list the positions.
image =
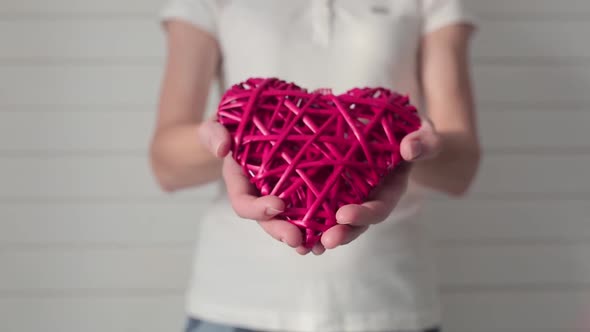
(425, 143)
(214, 137)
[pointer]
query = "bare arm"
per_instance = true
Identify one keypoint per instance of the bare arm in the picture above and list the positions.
(448, 95)
(188, 150)
(179, 154)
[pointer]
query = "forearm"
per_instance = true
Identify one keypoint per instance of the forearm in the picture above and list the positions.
(450, 106)
(452, 171)
(179, 160)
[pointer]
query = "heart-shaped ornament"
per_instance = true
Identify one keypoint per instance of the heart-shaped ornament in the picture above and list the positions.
(315, 150)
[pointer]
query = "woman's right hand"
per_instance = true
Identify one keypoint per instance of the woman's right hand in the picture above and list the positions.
(242, 194)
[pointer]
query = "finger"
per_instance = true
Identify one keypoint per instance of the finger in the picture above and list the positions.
(340, 235)
(368, 213)
(283, 231)
(301, 250)
(383, 201)
(215, 138)
(318, 249)
(421, 144)
(242, 195)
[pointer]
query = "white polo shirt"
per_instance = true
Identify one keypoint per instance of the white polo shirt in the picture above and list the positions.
(383, 281)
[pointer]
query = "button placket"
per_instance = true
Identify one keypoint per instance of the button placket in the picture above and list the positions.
(322, 13)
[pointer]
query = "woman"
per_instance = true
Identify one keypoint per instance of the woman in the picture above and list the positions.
(377, 272)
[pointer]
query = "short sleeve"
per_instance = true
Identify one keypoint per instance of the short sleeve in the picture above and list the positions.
(439, 13)
(201, 13)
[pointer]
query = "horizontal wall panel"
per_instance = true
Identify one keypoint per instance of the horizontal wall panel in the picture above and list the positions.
(82, 38)
(541, 84)
(530, 8)
(122, 130)
(77, 130)
(81, 7)
(133, 268)
(168, 223)
(64, 84)
(121, 314)
(537, 174)
(111, 84)
(522, 220)
(160, 268)
(517, 311)
(534, 39)
(534, 129)
(80, 224)
(463, 312)
(518, 265)
(130, 176)
(84, 176)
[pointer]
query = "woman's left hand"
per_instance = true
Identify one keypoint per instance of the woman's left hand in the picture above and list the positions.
(355, 219)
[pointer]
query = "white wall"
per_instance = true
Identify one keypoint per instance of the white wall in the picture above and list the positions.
(87, 242)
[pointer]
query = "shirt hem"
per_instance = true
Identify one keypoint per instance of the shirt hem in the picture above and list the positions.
(313, 322)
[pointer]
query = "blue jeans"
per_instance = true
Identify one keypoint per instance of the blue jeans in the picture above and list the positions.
(195, 325)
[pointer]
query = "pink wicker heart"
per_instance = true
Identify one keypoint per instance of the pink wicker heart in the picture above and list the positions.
(315, 150)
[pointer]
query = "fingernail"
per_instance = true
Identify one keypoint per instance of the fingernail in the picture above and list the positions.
(271, 211)
(213, 144)
(342, 221)
(218, 149)
(339, 218)
(416, 148)
(217, 139)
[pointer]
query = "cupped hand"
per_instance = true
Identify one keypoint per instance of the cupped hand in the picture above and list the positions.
(242, 194)
(355, 219)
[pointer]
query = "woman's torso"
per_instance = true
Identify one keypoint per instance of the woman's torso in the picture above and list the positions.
(384, 278)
